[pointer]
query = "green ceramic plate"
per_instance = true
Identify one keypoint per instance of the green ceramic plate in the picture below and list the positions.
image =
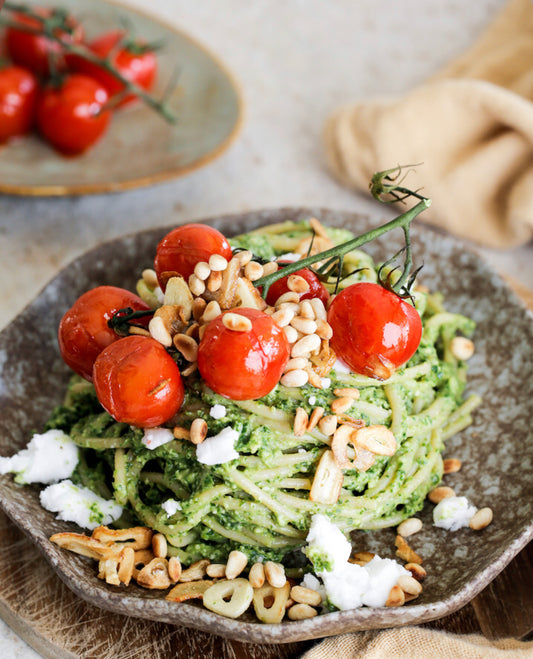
(139, 148)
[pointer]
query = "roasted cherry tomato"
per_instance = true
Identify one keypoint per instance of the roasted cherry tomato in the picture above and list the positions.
(71, 117)
(83, 330)
(316, 289)
(134, 60)
(182, 248)
(138, 382)
(18, 95)
(32, 51)
(243, 365)
(374, 330)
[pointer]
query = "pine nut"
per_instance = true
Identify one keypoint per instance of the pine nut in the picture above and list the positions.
(269, 268)
(440, 493)
(196, 286)
(341, 405)
(301, 612)
(304, 595)
(416, 570)
(217, 263)
(187, 346)
(159, 332)
(318, 308)
(481, 519)
(405, 552)
(190, 369)
(275, 574)
(305, 345)
(323, 329)
(291, 306)
(409, 527)
(290, 333)
(350, 392)
(150, 278)
(253, 270)
(201, 331)
(211, 311)
(396, 597)
(297, 284)
(409, 585)
(237, 561)
(294, 378)
(314, 379)
(216, 570)
(328, 424)
(296, 363)
(283, 317)
(202, 270)
(215, 281)
(139, 331)
(174, 568)
(159, 545)
(300, 420)
(198, 307)
(303, 325)
(257, 575)
(290, 296)
(236, 322)
(243, 257)
(315, 417)
(198, 431)
(461, 348)
(195, 571)
(181, 433)
(363, 557)
(306, 310)
(451, 465)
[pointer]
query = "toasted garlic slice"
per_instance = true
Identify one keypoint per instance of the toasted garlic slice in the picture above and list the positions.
(188, 591)
(376, 439)
(229, 598)
(327, 483)
(277, 599)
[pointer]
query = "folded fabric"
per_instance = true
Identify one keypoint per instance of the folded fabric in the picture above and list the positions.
(418, 643)
(472, 128)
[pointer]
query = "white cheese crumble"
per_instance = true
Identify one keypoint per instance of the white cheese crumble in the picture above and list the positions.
(155, 437)
(217, 411)
(347, 585)
(47, 458)
(311, 400)
(340, 367)
(171, 507)
(74, 503)
(219, 448)
(453, 513)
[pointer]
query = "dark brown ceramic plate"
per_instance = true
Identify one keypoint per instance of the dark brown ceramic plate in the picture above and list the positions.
(497, 451)
(139, 148)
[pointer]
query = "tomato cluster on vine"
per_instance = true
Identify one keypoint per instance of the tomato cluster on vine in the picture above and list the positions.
(65, 98)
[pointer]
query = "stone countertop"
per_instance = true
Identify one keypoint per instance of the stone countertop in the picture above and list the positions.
(296, 61)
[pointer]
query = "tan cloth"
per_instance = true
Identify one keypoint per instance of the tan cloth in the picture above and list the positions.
(417, 643)
(472, 128)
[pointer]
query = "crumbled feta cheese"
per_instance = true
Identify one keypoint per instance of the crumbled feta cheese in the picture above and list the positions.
(155, 437)
(217, 411)
(78, 504)
(346, 586)
(310, 581)
(171, 506)
(219, 448)
(383, 573)
(311, 400)
(325, 382)
(47, 458)
(340, 367)
(327, 541)
(453, 513)
(290, 256)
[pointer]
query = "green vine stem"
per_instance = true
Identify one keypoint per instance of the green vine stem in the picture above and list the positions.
(57, 21)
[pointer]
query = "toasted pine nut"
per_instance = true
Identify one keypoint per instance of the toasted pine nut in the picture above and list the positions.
(409, 585)
(257, 575)
(405, 552)
(323, 329)
(126, 565)
(190, 369)
(253, 270)
(439, 493)
(198, 431)
(139, 331)
(318, 308)
(196, 286)
(216, 570)
(270, 267)
(201, 331)
(159, 545)
(202, 270)
(314, 379)
(295, 378)
(198, 307)
(297, 284)
(363, 556)
(300, 419)
(462, 348)
(304, 325)
(451, 465)
(215, 281)
(195, 571)
(150, 278)
(341, 405)
(292, 306)
(409, 526)
(481, 519)
(290, 296)
(243, 257)
(416, 570)
(328, 424)
(396, 597)
(306, 310)
(194, 329)
(181, 433)
(275, 574)
(217, 262)
(305, 345)
(304, 595)
(187, 346)
(237, 561)
(349, 392)
(296, 364)
(211, 311)
(301, 612)
(236, 322)
(283, 316)
(291, 334)
(159, 332)
(315, 417)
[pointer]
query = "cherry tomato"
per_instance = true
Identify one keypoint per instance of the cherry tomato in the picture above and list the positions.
(133, 60)
(70, 117)
(182, 248)
(243, 365)
(138, 382)
(83, 330)
(18, 95)
(32, 50)
(316, 289)
(374, 330)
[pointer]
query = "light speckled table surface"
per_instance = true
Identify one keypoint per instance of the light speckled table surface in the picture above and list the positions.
(296, 61)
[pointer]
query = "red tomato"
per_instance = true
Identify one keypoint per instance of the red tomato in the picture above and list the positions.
(243, 365)
(32, 50)
(83, 330)
(132, 60)
(374, 330)
(182, 248)
(18, 95)
(70, 117)
(138, 382)
(316, 289)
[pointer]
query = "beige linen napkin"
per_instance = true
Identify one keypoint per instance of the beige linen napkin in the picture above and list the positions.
(472, 128)
(417, 643)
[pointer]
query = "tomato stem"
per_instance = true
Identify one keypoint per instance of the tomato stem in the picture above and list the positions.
(57, 21)
(123, 319)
